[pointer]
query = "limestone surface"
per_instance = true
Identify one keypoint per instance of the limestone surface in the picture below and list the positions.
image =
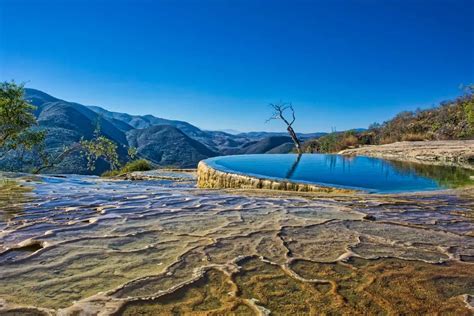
(458, 153)
(80, 245)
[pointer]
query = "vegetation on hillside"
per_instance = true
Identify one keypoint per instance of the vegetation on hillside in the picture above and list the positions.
(166, 145)
(162, 142)
(21, 137)
(450, 120)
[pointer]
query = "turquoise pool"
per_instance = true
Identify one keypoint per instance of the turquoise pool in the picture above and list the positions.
(360, 173)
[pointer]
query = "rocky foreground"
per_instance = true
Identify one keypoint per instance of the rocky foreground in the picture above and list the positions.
(459, 153)
(80, 245)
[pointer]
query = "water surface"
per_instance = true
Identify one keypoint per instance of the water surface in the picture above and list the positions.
(362, 173)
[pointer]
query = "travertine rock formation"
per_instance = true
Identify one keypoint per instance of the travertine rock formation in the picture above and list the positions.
(211, 178)
(450, 153)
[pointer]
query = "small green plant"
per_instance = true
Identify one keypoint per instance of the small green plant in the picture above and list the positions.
(137, 165)
(132, 152)
(132, 166)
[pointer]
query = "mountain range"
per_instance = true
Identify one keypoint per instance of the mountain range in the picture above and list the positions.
(163, 142)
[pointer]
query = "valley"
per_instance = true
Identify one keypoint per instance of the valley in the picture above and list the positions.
(165, 143)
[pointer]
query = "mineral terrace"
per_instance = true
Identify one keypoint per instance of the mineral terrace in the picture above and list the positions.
(459, 153)
(77, 244)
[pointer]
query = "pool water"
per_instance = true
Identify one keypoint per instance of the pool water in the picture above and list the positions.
(361, 173)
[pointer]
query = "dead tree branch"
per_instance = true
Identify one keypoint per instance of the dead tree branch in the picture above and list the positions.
(279, 114)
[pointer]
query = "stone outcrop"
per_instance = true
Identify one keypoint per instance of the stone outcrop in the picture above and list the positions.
(211, 178)
(459, 153)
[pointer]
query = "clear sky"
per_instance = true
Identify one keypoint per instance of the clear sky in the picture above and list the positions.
(217, 64)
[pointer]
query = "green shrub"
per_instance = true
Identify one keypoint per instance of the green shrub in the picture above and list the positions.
(335, 142)
(135, 165)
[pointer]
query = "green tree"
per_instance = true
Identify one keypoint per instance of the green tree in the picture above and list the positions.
(100, 147)
(17, 121)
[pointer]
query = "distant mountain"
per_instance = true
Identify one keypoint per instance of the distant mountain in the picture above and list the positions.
(358, 130)
(225, 142)
(145, 121)
(66, 123)
(268, 144)
(166, 145)
(216, 140)
(162, 141)
(260, 135)
(230, 131)
(56, 113)
(282, 149)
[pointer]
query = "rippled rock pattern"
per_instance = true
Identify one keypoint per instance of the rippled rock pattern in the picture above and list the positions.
(85, 245)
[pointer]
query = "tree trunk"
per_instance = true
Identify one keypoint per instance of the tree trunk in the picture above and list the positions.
(294, 138)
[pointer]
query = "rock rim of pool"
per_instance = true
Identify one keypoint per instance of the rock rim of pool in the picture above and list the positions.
(209, 177)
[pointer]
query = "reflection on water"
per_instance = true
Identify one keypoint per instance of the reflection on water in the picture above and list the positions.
(445, 176)
(449, 177)
(364, 173)
(12, 196)
(294, 166)
(344, 162)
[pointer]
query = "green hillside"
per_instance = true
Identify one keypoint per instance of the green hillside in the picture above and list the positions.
(448, 121)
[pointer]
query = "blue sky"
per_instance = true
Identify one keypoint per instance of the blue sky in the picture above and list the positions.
(217, 64)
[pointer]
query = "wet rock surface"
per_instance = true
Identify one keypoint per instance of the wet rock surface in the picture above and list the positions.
(78, 244)
(458, 153)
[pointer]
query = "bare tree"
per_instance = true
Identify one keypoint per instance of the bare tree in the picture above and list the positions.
(279, 113)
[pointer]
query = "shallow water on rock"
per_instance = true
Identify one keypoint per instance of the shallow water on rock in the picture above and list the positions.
(86, 244)
(359, 173)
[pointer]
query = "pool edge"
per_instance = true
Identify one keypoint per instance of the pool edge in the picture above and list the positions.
(213, 178)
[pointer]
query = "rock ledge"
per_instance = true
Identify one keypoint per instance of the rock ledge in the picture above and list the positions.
(459, 153)
(211, 178)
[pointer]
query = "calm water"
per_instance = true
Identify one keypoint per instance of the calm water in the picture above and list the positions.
(364, 173)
